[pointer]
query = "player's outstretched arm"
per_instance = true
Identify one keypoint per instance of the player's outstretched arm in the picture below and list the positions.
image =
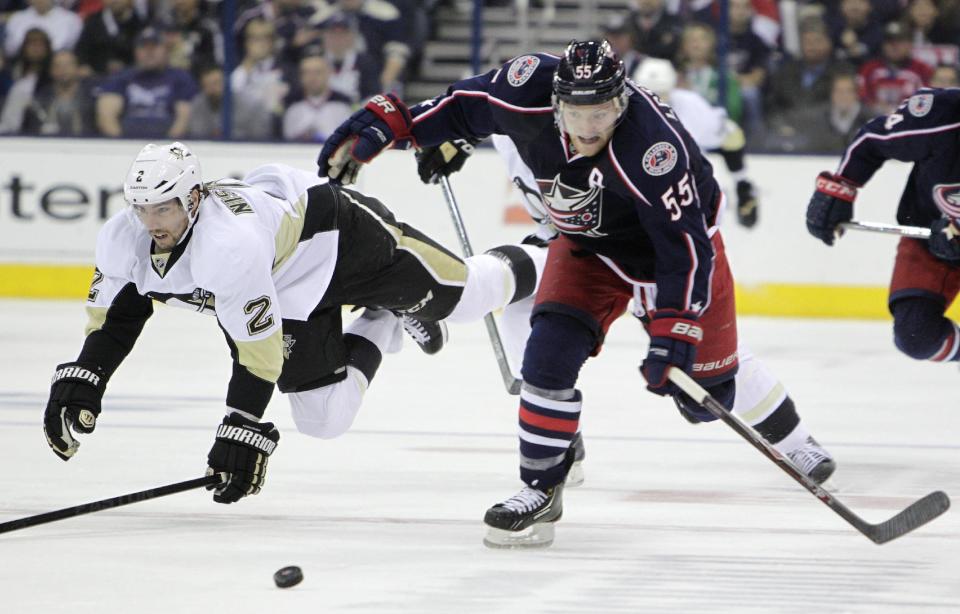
(383, 122)
(241, 449)
(830, 206)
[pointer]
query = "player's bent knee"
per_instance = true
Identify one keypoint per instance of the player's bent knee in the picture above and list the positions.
(919, 328)
(558, 346)
(328, 412)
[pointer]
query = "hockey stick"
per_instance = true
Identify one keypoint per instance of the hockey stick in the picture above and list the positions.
(97, 506)
(915, 515)
(511, 383)
(914, 232)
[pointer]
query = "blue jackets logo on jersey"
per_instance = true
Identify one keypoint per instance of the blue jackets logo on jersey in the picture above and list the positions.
(947, 198)
(573, 211)
(521, 69)
(660, 159)
(920, 104)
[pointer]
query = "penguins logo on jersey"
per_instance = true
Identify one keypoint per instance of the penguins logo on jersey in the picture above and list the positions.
(572, 210)
(947, 198)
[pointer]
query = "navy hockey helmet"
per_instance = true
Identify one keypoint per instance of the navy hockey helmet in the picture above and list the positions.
(590, 72)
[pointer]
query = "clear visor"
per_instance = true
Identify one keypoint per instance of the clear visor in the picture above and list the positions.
(589, 120)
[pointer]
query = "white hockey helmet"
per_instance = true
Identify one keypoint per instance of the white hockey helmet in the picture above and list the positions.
(160, 173)
(657, 75)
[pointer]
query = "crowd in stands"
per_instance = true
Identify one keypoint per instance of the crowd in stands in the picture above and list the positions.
(802, 81)
(797, 81)
(156, 68)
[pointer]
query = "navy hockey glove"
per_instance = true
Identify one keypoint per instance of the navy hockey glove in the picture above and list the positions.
(673, 343)
(383, 121)
(444, 159)
(241, 449)
(74, 404)
(831, 204)
(944, 243)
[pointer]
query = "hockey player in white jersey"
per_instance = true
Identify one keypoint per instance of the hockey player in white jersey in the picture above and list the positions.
(274, 258)
(709, 126)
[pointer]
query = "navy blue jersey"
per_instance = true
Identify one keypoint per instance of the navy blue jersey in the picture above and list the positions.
(644, 203)
(925, 130)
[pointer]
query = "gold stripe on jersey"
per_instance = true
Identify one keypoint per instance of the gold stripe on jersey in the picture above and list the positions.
(264, 357)
(764, 407)
(442, 266)
(96, 317)
(288, 234)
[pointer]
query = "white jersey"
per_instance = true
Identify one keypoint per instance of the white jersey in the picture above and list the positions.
(706, 123)
(247, 260)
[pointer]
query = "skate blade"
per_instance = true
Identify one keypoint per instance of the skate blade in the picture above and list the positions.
(535, 536)
(574, 476)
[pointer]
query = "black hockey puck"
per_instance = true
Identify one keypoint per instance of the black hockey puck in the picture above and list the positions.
(288, 576)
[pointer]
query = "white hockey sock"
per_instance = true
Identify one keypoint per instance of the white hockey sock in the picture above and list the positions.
(381, 328)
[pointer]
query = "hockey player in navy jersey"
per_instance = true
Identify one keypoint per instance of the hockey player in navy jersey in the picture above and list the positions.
(274, 258)
(925, 130)
(636, 205)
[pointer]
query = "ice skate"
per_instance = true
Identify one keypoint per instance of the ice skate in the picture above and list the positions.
(746, 204)
(575, 475)
(810, 458)
(430, 336)
(525, 520)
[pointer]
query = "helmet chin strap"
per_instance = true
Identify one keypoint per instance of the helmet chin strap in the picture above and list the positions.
(191, 218)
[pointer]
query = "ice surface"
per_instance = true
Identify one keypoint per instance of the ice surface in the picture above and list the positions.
(672, 518)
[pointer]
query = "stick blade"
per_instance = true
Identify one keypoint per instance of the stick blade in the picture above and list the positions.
(919, 513)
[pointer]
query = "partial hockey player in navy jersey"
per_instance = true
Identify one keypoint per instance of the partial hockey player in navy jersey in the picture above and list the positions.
(274, 258)
(925, 130)
(636, 204)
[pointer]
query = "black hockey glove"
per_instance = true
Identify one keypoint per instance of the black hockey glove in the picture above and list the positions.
(383, 121)
(673, 343)
(831, 204)
(241, 449)
(444, 159)
(944, 243)
(75, 394)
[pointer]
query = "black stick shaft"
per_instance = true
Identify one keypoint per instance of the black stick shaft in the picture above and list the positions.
(97, 506)
(917, 514)
(511, 383)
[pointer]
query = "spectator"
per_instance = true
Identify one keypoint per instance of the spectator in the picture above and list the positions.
(30, 71)
(251, 122)
(805, 81)
(945, 75)
(150, 100)
(698, 72)
(748, 58)
(885, 81)
(106, 42)
(856, 32)
(826, 127)
(62, 26)
(656, 33)
(386, 34)
(354, 72)
(321, 110)
(935, 39)
(260, 76)
(64, 105)
(195, 40)
(291, 20)
(620, 36)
